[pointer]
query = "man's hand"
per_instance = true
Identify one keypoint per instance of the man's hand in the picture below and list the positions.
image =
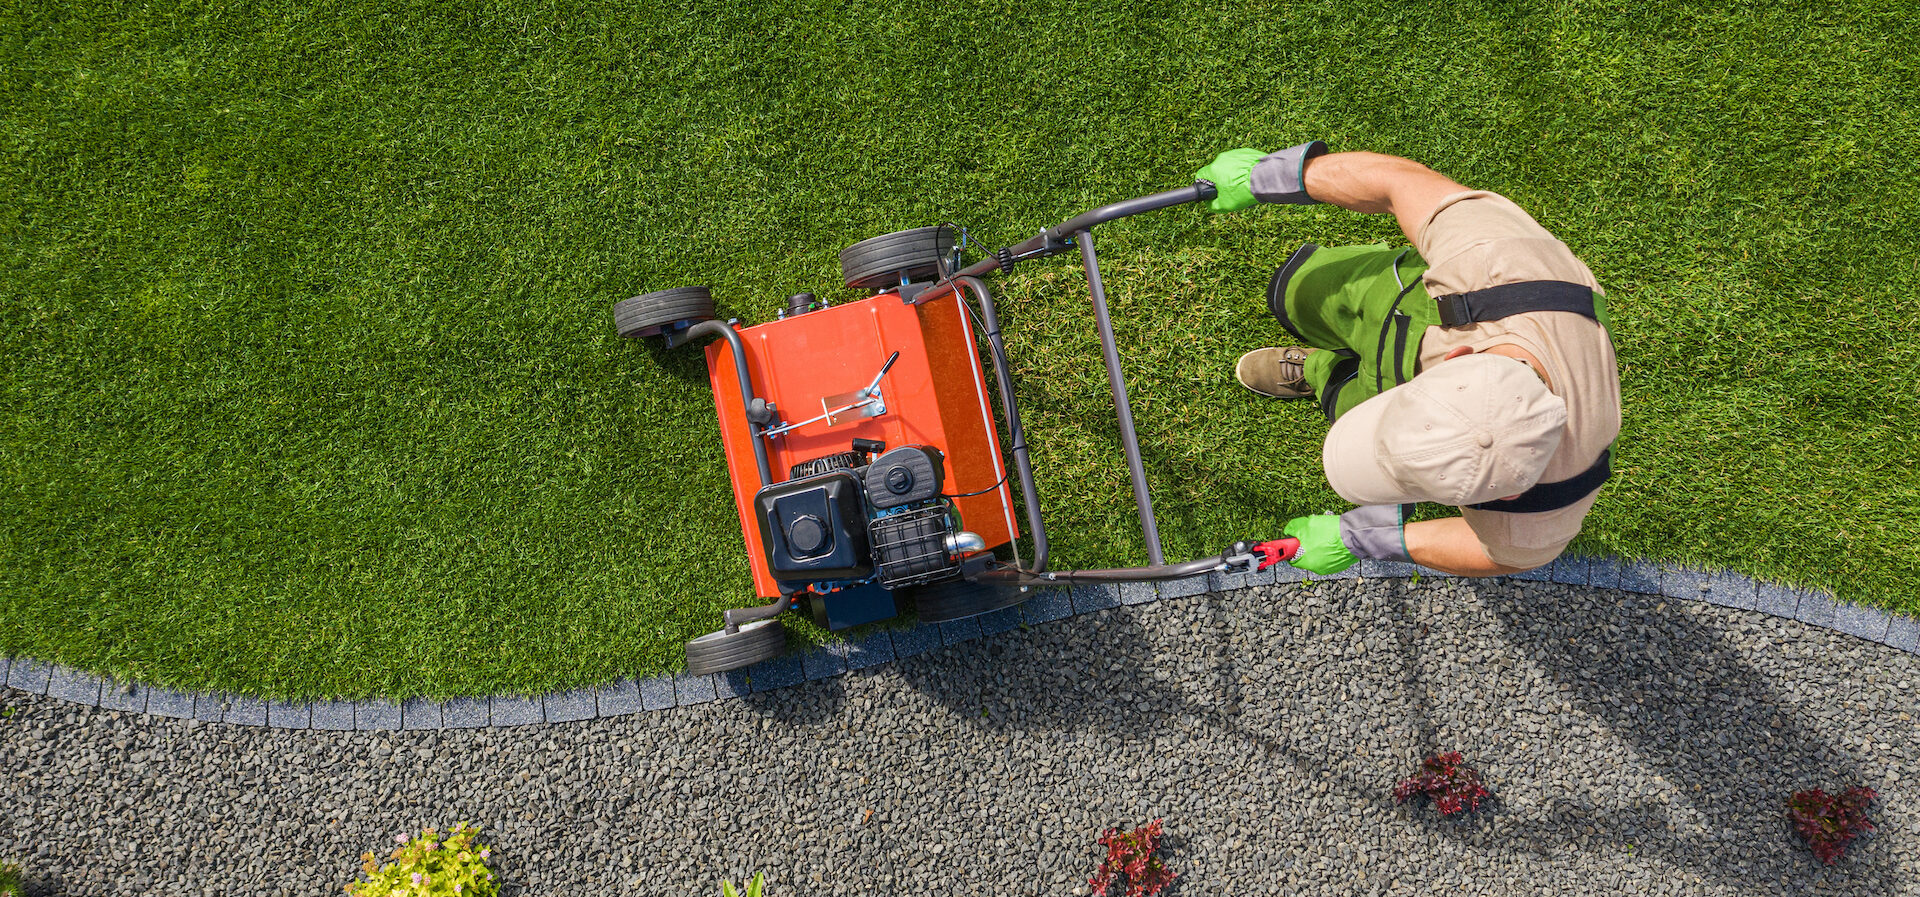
(1229, 173)
(1321, 550)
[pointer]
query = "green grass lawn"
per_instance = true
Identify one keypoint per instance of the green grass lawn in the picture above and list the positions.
(310, 384)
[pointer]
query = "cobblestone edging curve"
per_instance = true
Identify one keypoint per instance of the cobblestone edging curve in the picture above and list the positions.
(629, 696)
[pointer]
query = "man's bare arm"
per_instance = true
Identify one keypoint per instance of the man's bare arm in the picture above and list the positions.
(1375, 183)
(1449, 545)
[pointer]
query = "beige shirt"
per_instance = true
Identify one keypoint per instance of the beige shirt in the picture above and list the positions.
(1476, 240)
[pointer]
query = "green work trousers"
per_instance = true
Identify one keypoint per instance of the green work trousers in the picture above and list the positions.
(1366, 306)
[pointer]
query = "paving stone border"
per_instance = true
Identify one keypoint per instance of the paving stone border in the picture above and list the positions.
(630, 696)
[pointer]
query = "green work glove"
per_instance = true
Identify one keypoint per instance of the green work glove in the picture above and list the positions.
(1229, 172)
(1321, 550)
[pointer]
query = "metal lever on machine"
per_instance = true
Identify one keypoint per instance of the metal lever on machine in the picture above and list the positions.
(869, 395)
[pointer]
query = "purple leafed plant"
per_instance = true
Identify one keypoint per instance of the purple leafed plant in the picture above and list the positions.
(1131, 854)
(1452, 787)
(1828, 822)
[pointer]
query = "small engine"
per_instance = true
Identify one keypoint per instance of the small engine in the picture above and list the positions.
(856, 532)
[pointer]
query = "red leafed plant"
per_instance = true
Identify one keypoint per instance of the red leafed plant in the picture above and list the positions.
(1828, 822)
(1131, 854)
(1453, 788)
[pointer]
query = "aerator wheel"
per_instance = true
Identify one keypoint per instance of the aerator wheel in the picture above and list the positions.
(718, 652)
(650, 314)
(958, 599)
(883, 261)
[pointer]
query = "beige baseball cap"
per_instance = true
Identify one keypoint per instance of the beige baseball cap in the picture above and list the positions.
(1466, 430)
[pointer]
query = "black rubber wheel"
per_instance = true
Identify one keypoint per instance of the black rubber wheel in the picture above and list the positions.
(879, 263)
(718, 652)
(958, 599)
(649, 314)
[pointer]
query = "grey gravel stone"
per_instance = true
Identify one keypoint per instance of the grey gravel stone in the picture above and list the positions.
(332, 716)
(73, 686)
(421, 713)
(378, 715)
(516, 710)
(1637, 745)
(618, 698)
(656, 693)
(30, 676)
(6, 666)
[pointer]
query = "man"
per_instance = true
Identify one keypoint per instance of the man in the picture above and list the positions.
(1473, 369)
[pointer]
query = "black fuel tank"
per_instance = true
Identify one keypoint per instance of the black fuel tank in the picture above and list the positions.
(815, 528)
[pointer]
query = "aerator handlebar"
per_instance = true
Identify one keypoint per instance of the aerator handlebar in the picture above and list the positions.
(1078, 232)
(1059, 238)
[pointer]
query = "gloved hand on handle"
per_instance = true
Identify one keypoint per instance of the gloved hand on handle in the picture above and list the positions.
(1246, 176)
(1330, 544)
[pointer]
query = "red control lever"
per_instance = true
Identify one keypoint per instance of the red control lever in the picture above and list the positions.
(1276, 551)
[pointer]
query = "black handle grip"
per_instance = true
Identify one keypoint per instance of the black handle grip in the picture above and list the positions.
(1201, 190)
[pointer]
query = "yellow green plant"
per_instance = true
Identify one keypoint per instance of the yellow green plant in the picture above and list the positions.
(427, 866)
(753, 887)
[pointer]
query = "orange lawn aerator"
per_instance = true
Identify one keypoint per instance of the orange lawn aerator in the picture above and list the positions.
(865, 460)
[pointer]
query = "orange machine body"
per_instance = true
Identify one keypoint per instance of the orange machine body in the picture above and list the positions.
(935, 395)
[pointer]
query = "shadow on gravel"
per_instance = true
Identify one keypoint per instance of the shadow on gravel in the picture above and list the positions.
(821, 703)
(1691, 707)
(1707, 720)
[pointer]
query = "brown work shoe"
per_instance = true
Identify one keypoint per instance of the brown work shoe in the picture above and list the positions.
(1277, 372)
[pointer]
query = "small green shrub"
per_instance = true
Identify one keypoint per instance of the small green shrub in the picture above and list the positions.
(10, 884)
(753, 887)
(426, 866)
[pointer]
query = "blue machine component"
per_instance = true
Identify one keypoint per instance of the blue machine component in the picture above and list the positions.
(852, 605)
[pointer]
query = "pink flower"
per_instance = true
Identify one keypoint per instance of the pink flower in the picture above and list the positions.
(416, 878)
(400, 838)
(485, 852)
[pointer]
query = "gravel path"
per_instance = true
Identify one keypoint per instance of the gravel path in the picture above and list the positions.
(1637, 744)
